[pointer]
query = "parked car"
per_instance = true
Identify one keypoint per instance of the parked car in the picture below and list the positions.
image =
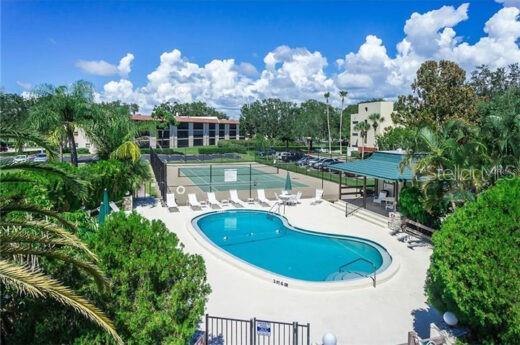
(40, 158)
(20, 159)
(326, 165)
(312, 160)
(316, 164)
(303, 161)
(320, 165)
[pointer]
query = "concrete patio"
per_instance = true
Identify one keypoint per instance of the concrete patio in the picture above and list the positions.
(380, 315)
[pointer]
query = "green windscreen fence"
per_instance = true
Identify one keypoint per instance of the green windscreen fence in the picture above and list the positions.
(218, 177)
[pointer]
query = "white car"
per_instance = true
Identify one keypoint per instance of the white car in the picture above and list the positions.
(40, 158)
(20, 159)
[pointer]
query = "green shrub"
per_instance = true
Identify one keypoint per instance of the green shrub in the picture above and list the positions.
(221, 149)
(116, 176)
(79, 151)
(475, 265)
(158, 292)
(411, 205)
(163, 151)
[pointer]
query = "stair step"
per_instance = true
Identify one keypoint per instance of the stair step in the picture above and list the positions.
(362, 213)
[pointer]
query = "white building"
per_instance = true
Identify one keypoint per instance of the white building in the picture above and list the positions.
(385, 109)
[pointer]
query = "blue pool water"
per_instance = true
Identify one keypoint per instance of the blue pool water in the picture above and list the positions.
(269, 242)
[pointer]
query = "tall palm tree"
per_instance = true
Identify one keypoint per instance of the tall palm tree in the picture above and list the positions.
(327, 95)
(362, 127)
(342, 94)
(63, 107)
(375, 119)
(29, 233)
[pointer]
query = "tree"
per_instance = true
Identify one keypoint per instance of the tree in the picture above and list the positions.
(375, 119)
(110, 128)
(475, 265)
(342, 94)
(488, 83)
(159, 291)
(15, 114)
(439, 93)
(30, 232)
(65, 107)
(397, 138)
(327, 95)
(134, 108)
(192, 109)
(362, 127)
(270, 118)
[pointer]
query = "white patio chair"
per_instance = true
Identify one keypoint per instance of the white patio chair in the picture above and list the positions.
(260, 193)
(382, 197)
(318, 197)
(297, 198)
(212, 200)
(193, 202)
(233, 197)
(170, 202)
(113, 206)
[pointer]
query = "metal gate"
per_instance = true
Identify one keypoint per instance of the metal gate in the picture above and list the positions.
(228, 331)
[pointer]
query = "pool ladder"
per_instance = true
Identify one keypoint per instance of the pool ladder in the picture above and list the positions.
(275, 208)
(373, 276)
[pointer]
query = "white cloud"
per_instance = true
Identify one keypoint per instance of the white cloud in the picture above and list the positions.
(509, 3)
(24, 85)
(297, 74)
(103, 68)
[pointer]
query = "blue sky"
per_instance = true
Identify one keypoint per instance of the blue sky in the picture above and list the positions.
(43, 41)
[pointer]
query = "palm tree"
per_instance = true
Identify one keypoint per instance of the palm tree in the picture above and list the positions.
(327, 95)
(29, 233)
(342, 94)
(64, 108)
(362, 127)
(376, 119)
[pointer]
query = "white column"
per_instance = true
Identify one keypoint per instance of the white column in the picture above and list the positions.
(205, 134)
(173, 136)
(153, 138)
(226, 132)
(238, 131)
(217, 133)
(190, 134)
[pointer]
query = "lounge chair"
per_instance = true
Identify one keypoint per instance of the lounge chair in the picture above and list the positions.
(233, 197)
(382, 197)
(193, 202)
(318, 197)
(113, 206)
(261, 197)
(170, 202)
(212, 200)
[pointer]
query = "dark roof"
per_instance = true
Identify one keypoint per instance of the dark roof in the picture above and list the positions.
(382, 165)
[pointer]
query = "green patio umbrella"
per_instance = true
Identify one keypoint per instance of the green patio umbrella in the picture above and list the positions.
(288, 184)
(104, 209)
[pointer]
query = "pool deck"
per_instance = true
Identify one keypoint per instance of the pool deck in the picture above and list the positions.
(365, 315)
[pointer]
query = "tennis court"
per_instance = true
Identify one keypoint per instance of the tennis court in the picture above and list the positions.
(241, 177)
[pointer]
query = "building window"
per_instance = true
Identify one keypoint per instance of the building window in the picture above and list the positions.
(75, 133)
(354, 122)
(183, 130)
(222, 132)
(233, 131)
(198, 130)
(354, 134)
(87, 145)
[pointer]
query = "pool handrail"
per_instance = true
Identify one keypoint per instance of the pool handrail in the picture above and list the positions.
(374, 270)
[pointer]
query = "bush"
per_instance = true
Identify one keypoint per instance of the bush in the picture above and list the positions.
(162, 151)
(207, 150)
(476, 264)
(79, 151)
(158, 292)
(411, 206)
(117, 176)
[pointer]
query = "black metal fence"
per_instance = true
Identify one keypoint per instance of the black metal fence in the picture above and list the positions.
(228, 331)
(159, 168)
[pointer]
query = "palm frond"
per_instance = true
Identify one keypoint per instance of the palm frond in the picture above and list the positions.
(128, 150)
(37, 284)
(11, 133)
(10, 206)
(86, 266)
(48, 227)
(13, 178)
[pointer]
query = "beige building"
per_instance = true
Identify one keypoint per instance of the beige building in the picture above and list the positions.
(385, 109)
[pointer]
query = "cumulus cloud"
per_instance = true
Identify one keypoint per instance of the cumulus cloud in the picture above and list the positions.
(24, 85)
(509, 3)
(103, 68)
(297, 74)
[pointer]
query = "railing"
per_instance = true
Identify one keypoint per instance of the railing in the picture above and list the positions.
(275, 208)
(373, 277)
(229, 331)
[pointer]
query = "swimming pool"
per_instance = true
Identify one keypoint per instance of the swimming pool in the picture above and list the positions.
(269, 242)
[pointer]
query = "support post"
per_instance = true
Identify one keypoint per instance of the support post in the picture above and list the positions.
(340, 184)
(295, 333)
(364, 192)
(206, 336)
(210, 176)
(250, 181)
